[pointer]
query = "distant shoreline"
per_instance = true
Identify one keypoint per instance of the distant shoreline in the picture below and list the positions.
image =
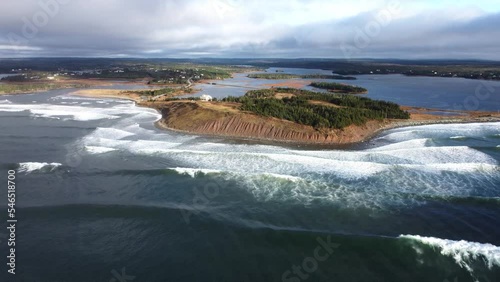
(49, 85)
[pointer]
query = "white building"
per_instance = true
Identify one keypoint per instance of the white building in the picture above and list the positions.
(206, 97)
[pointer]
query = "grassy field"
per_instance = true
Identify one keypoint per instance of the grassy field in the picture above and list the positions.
(34, 87)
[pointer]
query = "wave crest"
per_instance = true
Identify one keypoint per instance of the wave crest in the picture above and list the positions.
(462, 252)
(29, 167)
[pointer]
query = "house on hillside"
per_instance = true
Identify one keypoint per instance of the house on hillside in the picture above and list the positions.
(206, 97)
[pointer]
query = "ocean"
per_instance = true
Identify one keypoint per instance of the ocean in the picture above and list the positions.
(103, 195)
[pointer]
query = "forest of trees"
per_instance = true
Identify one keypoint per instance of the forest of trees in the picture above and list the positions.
(350, 110)
(31, 87)
(273, 76)
(155, 92)
(292, 76)
(325, 76)
(339, 87)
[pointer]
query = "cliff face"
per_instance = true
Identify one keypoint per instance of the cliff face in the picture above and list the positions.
(195, 117)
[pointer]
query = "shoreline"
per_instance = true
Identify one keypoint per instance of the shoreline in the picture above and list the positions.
(348, 136)
(80, 84)
(247, 126)
(389, 125)
(345, 137)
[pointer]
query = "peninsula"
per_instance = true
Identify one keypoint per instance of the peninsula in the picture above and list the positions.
(290, 115)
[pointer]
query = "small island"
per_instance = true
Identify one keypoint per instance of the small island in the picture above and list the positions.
(296, 76)
(339, 87)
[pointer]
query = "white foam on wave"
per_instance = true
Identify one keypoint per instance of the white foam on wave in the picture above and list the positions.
(12, 110)
(236, 148)
(110, 133)
(459, 137)
(77, 115)
(194, 171)
(51, 111)
(287, 188)
(441, 131)
(285, 177)
(113, 138)
(352, 178)
(5, 101)
(285, 164)
(135, 128)
(105, 142)
(153, 147)
(463, 252)
(84, 113)
(415, 143)
(9, 107)
(290, 188)
(28, 167)
(310, 177)
(346, 169)
(344, 164)
(87, 99)
(456, 167)
(263, 176)
(98, 150)
(439, 155)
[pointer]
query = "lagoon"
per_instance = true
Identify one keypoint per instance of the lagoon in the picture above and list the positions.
(428, 92)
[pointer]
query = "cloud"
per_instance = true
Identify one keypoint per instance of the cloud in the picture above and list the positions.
(236, 28)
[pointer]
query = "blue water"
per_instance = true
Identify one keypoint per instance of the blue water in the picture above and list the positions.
(429, 92)
(2, 75)
(103, 193)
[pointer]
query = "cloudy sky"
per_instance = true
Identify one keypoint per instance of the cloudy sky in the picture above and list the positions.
(413, 29)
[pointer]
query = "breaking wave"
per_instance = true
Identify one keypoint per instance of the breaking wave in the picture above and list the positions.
(98, 150)
(459, 137)
(29, 167)
(193, 172)
(464, 253)
(79, 113)
(407, 168)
